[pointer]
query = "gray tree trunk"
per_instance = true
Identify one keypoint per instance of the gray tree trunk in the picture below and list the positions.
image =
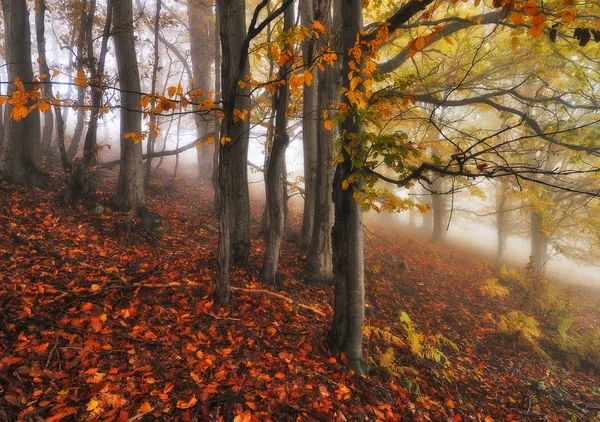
(439, 208)
(232, 25)
(319, 258)
(501, 218)
(20, 151)
(309, 128)
(202, 40)
(346, 334)
(277, 200)
(40, 12)
(83, 33)
(130, 189)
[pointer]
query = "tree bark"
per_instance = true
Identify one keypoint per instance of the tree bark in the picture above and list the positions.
(84, 32)
(275, 187)
(501, 218)
(40, 13)
(130, 189)
(153, 125)
(346, 333)
(90, 157)
(309, 128)
(20, 151)
(319, 258)
(439, 208)
(232, 23)
(202, 41)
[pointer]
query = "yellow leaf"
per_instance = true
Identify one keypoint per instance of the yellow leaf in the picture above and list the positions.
(144, 101)
(319, 27)
(225, 140)
(244, 417)
(210, 140)
(345, 184)
(514, 43)
(43, 106)
(19, 84)
(328, 124)
(171, 91)
(145, 407)
(182, 404)
(242, 84)
(308, 77)
(93, 404)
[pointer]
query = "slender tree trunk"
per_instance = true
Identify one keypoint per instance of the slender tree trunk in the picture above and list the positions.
(232, 23)
(501, 218)
(202, 40)
(346, 332)
(130, 189)
(153, 125)
(439, 208)
(539, 241)
(309, 129)
(319, 258)
(83, 32)
(40, 12)
(90, 155)
(275, 186)
(218, 82)
(20, 152)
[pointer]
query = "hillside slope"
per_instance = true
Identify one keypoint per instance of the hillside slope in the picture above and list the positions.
(97, 323)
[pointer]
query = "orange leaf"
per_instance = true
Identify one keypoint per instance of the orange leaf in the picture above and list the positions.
(419, 43)
(279, 375)
(182, 404)
(517, 18)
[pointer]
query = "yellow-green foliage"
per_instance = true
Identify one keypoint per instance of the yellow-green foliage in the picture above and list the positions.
(387, 361)
(422, 345)
(513, 278)
(587, 346)
(518, 324)
(491, 288)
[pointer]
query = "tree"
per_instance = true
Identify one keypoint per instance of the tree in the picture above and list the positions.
(319, 258)
(20, 151)
(309, 125)
(346, 332)
(130, 188)
(275, 170)
(202, 49)
(40, 13)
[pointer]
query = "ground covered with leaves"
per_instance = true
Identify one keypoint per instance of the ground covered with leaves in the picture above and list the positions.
(97, 323)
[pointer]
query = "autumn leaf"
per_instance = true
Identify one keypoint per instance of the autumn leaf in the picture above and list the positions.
(419, 43)
(182, 404)
(517, 18)
(145, 100)
(92, 405)
(244, 417)
(328, 124)
(80, 80)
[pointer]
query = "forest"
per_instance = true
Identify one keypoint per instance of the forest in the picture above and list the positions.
(299, 210)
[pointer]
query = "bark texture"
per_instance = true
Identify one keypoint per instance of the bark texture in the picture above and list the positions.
(232, 25)
(319, 258)
(309, 127)
(20, 150)
(439, 207)
(501, 218)
(202, 40)
(346, 334)
(277, 200)
(130, 189)
(40, 12)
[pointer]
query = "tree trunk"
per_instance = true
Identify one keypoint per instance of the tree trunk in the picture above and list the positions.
(218, 82)
(202, 40)
(20, 152)
(539, 242)
(439, 208)
(83, 32)
(90, 157)
(153, 125)
(275, 187)
(319, 258)
(346, 333)
(309, 128)
(501, 218)
(130, 189)
(232, 23)
(40, 12)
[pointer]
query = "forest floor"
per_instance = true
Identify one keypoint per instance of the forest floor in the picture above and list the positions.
(98, 323)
